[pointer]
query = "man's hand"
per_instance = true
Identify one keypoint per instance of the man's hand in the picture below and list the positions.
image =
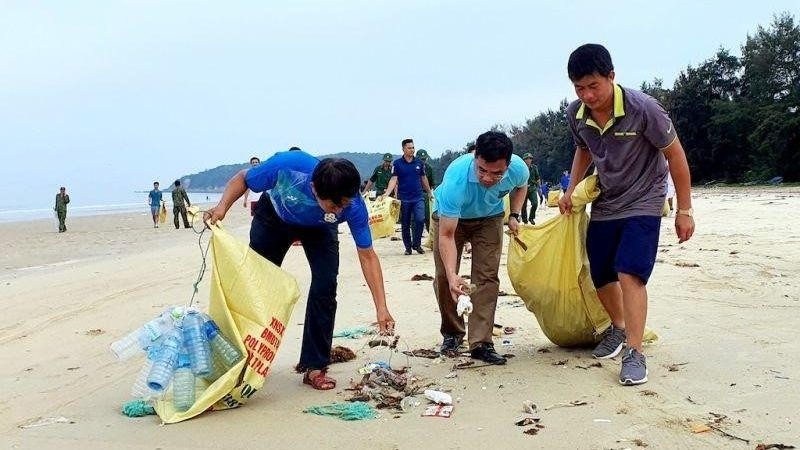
(212, 215)
(565, 202)
(513, 225)
(458, 286)
(385, 322)
(684, 227)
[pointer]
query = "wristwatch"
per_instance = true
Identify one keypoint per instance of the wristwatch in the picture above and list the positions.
(515, 216)
(686, 212)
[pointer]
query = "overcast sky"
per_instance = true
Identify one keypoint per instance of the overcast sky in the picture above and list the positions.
(117, 94)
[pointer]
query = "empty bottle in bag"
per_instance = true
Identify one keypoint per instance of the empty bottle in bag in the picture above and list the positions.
(165, 362)
(143, 337)
(196, 342)
(221, 347)
(183, 385)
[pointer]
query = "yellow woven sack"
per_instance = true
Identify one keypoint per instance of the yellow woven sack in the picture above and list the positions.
(548, 268)
(251, 301)
(552, 198)
(383, 215)
(162, 213)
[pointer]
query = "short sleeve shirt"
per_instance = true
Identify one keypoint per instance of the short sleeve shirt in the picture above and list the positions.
(286, 176)
(155, 197)
(627, 153)
(381, 177)
(461, 196)
(409, 179)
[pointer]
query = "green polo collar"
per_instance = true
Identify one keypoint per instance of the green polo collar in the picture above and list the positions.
(619, 111)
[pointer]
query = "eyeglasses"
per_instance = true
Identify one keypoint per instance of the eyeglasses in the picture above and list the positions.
(483, 173)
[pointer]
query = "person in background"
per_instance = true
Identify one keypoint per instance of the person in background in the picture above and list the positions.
(62, 199)
(564, 181)
(154, 199)
(408, 175)
(380, 176)
(250, 197)
(180, 200)
(622, 238)
(469, 206)
(533, 190)
(422, 155)
(307, 199)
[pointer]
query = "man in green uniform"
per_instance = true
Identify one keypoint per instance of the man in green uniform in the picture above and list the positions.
(422, 155)
(533, 190)
(178, 205)
(61, 209)
(380, 176)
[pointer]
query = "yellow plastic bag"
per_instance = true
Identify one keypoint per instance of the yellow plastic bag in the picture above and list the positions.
(193, 213)
(383, 215)
(552, 198)
(162, 213)
(506, 209)
(251, 301)
(665, 209)
(548, 268)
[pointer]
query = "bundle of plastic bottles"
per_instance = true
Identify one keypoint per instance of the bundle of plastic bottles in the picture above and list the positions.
(185, 351)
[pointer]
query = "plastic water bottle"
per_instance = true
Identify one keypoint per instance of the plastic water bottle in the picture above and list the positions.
(165, 362)
(183, 385)
(217, 369)
(142, 338)
(221, 347)
(140, 389)
(439, 397)
(196, 342)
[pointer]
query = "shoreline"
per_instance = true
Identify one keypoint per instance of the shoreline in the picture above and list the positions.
(721, 304)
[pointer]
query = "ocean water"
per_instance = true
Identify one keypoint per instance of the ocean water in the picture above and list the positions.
(93, 204)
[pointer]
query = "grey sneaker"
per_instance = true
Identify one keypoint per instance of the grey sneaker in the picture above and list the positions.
(634, 368)
(612, 343)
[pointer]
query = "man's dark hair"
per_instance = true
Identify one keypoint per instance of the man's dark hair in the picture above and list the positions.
(293, 149)
(406, 141)
(336, 179)
(493, 146)
(470, 148)
(177, 182)
(256, 158)
(587, 60)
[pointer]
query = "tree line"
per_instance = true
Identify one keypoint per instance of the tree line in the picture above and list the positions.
(738, 118)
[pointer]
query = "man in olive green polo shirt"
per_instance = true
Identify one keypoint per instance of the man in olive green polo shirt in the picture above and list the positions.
(533, 190)
(630, 138)
(380, 176)
(422, 155)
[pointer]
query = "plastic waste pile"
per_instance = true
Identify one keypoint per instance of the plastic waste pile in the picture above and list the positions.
(186, 352)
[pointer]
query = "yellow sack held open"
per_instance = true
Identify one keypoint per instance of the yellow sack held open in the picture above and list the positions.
(548, 268)
(383, 215)
(251, 301)
(552, 198)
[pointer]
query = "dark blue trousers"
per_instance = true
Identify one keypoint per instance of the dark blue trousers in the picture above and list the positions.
(271, 238)
(412, 220)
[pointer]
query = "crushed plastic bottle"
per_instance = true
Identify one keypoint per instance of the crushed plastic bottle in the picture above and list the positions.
(142, 338)
(439, 397)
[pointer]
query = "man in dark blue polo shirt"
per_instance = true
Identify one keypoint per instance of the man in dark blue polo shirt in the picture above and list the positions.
(629, 138)
(408, 174)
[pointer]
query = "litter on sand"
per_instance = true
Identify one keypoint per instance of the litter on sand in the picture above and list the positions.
(42, 421)
(438, 411)
(344, 411)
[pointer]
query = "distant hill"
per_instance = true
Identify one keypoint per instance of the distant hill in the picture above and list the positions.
(214, 180)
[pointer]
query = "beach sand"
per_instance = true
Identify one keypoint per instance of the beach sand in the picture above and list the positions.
(725, 305)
